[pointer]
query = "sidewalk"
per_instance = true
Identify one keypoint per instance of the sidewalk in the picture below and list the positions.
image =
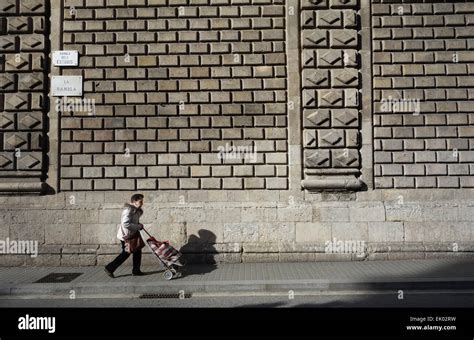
(246, 277)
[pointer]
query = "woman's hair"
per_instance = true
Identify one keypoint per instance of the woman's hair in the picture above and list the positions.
(136, 197)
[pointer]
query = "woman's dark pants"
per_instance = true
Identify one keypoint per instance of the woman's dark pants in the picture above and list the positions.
(137, 259)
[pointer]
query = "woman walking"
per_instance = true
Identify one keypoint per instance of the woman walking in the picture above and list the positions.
(129, 227)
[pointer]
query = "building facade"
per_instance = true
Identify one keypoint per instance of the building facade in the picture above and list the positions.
(258, 130)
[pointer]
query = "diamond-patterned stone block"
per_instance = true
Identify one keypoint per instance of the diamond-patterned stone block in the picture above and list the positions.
(30, 120)
(350, 58)
(8, 7)
(18, 24)
(309, 98)
(308, 58)
(5, 160)
(310, 139)
(317, 118)
(7, 82)
(36, 141)
(37, 62)
(34, 42)
(344, 38)
(315, 38)
(352, 138)
(330, 138)
(39, 25)
(351, 97)
(330, 98)
(350, 18)
(31, 81)
(7, 121)
(15, 140)
(329, 18)
(345, 77)
(7, 43)
(308, 19)
(343, 3)
(17, 62)
(315, 78)
(16, 101)
(317, 159)
(345, 117)
(344, 158)
(330, 58)
(29, 161)
(32, 6)
(314, 4)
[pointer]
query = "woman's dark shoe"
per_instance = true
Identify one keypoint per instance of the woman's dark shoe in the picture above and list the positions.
(109, 273)
(138, 274)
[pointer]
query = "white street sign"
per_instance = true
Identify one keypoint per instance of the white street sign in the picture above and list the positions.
(65, 58)
(67, 86)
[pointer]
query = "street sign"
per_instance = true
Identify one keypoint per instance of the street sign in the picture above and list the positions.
(67, 86)
(65, 58)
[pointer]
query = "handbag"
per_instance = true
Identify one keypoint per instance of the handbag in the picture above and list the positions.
(134, 243)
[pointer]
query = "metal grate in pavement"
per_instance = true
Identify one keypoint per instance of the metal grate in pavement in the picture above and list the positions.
(166, 296)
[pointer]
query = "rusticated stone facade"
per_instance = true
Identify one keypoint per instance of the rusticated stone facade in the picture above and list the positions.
(23, 95)
(423, 66)
(330, 92)
(172, 83)
(258, 130)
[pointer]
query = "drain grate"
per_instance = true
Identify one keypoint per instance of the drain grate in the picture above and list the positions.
(166, 296)
(59, 278)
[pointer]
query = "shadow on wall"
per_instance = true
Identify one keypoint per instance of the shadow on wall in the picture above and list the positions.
(200, 250)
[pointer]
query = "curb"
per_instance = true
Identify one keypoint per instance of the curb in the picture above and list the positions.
(234, 286)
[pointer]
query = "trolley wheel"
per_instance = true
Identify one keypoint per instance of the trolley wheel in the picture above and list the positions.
(168, 275)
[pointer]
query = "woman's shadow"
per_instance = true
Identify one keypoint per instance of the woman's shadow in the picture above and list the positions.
(200, 253)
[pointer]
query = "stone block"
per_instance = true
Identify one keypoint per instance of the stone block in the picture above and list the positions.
(241, 232)
(277, 232)
(98, 233)
(78, 260)
(295, 214)
(313, 232)
(386, 231)
(350, 231)
(27, 232)
(62, 234)
(362, 212)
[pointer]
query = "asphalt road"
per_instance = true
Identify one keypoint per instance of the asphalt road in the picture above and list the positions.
(413, 299)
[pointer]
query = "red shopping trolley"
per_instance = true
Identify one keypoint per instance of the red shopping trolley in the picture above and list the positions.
(167, 254)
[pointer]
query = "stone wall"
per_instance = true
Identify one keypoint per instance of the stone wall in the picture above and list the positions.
(357, 113)
(247, 226)
(172, 83)
(330, 45)
(24, 67)
(423, 53)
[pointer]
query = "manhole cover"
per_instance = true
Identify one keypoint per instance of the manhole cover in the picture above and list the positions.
(59, 278)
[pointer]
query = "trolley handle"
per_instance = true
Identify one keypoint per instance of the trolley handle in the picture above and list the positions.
(146, 231)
